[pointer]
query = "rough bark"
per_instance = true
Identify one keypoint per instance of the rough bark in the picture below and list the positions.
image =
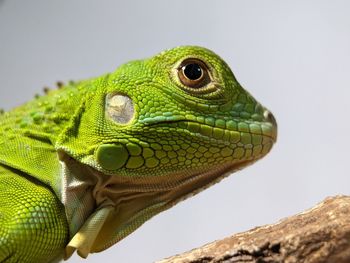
(320, 234)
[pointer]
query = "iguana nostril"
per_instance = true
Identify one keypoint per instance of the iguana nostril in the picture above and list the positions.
(270, 118)
(272, 130)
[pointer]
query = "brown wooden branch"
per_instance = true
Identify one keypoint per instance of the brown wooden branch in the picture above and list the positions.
(320, 234)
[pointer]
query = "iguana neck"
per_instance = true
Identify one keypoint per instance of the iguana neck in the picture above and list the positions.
(45, 117)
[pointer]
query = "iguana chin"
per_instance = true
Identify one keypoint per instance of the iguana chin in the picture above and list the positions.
(86, 164)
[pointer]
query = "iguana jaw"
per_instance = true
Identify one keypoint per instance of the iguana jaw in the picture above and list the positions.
(148, 200)
(132, 201)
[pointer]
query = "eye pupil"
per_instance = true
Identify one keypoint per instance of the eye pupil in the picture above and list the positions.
(192, 71)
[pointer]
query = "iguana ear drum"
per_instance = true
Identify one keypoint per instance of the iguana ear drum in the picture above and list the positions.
(119, 108)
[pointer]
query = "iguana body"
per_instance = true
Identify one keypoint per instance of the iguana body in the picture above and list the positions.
(85, 165)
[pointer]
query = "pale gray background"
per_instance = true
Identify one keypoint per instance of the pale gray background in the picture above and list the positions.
(293, 56)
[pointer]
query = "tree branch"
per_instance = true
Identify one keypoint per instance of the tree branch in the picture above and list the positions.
(320, 234)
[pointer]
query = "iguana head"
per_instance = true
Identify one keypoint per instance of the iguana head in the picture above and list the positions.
(161, 129)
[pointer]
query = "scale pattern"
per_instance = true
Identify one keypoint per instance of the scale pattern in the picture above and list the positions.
(33, 224)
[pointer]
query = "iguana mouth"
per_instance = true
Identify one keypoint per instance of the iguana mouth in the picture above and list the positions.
(224, 134)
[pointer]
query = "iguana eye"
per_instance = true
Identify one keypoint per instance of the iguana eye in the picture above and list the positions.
(193, 73)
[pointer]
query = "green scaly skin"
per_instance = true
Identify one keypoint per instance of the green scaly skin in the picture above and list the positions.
(177, 140)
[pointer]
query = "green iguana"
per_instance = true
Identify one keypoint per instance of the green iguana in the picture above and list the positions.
(84, 165)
